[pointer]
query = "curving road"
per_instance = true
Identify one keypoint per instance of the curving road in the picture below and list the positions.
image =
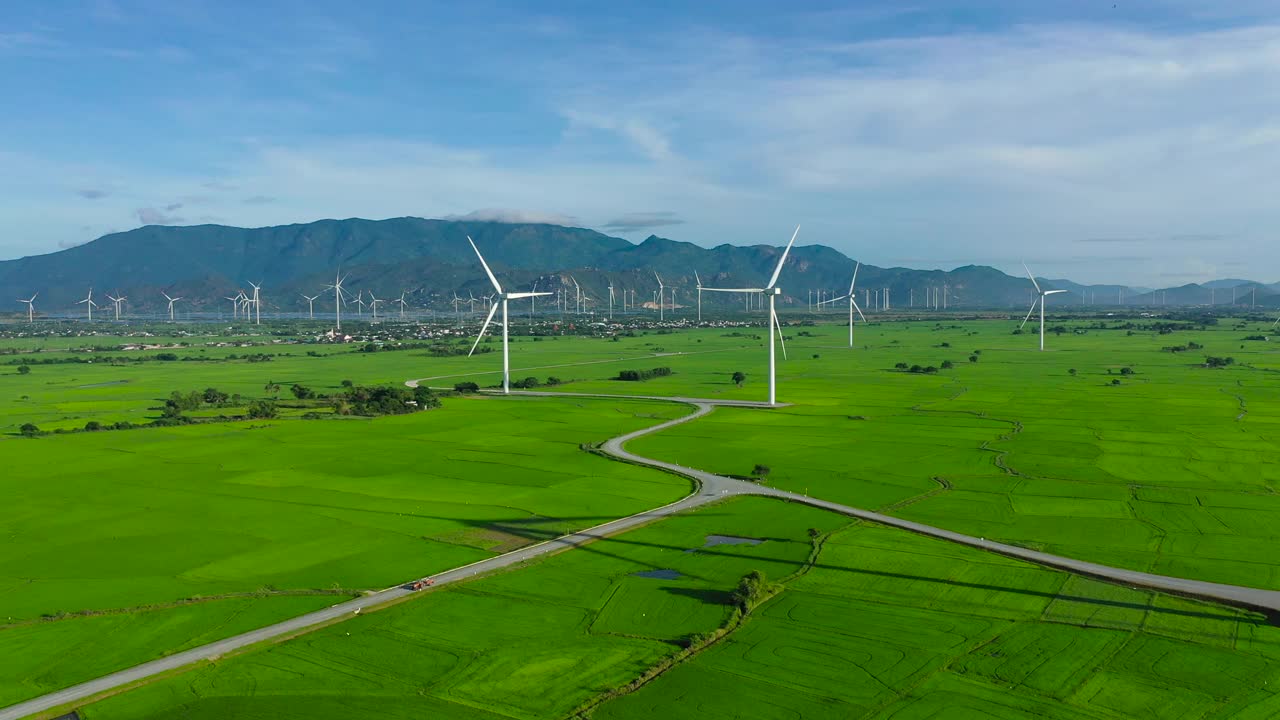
(711, 487)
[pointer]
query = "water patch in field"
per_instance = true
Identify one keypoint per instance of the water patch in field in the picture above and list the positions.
(714, 540)
(660, 574)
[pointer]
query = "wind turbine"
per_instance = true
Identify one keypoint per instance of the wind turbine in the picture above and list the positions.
(610, 299)
(577, 295)
(504, 297)
(235, 306)
(853, 302)
(31, 307)
(257, 305)
(1040, 299)
(360, 303)
(402, 303)
(336, 287)
(171, 300)
(89, 304)
(373, 303)
(661, 290)
(773, 291)
(311, 306)
(116, 302)
(699, 281)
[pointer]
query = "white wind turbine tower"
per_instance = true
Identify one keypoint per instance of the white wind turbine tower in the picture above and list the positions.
(535, 287)
(773, 291)
(373, 303)
(577, 295)
(115, 301)
(257, 304)
(661, 290)
(235, 306)
(699, 282)
(171, 300)
(336, 287)
(1041, 295)
(311, 306)
(89, 304)
(360, 303)
(853, 302)
(31, 307)
(402, 302)
(504, 297)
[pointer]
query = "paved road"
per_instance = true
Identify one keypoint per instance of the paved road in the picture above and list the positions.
(711, 488)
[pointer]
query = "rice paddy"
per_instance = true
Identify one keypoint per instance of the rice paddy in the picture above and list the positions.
(1107, 448)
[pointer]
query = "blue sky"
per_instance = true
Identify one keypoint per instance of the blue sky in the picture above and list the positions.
(1102, 141)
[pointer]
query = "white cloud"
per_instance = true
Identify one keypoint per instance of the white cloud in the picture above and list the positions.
(500, 215)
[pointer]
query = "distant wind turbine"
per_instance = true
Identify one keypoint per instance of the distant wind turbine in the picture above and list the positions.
(699, 281)
(336, 287)
(171, 300)
(661, 290)
(1041, 295)
(115, 301)
(373, 303)
(89, 304)
(402, 302)
(504, 297)
(772, 291)
(31, 307)
(311, 306)
(852, 297)
(257, 304)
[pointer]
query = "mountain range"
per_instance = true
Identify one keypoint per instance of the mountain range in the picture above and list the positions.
(431, 262)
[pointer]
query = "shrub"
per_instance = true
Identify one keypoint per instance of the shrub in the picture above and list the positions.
(92, 426)
(466, 387)
(973, 358)
(947, 365)
(24, 369)
(1072, 372)
(425, 399)
(760, 472)
(29, 430)
(553, 380)
(642, 375)
(900, 366)
(751, 589)
(739, 377)
(1115, 381)
(302, 392)
(262, 410)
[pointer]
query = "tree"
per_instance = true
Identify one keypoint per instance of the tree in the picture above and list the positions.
(739, 377)
(900, 366)
(271, 388)
(302, 392)
(760, 472)
(750, 590)
(29, 430)
(262, 410)
(947, 365)
(466, 387)
(1126, 371)
(973, 358)
(24, 369)
(347, 384)
(1115, 381)
(1072, 372)
(214, 396)
(425, 399)
(553, 380)
(92, 426)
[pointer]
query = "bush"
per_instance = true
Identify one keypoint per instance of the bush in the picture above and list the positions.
(642, 375)
(751, 589)
(900, 366)
(166, 356)
(92, 426)
(553, 381)
(29, 430)
(24, 369)
(760, 472)
(1126, 371)
(1072, 372)
(739, 377)
(947, 365)
(302, 392)
(466, 387)
(1115, 381)
(425, 399)
(973, 358)
(1214, 361)
(262, 410)
(213, 396)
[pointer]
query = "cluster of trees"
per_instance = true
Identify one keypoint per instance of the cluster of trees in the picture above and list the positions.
(751, 589)
(642, 375)
(1214, 361)
(1182, 348)
(384, 400)
(920, 369)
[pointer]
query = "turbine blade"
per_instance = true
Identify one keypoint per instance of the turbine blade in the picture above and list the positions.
(781, 341)
(855, 277)
(1033, 277)
(1028, 317)
(783, 260)
(483, 328)
(487, 271)
(855, 307)
(734, 290)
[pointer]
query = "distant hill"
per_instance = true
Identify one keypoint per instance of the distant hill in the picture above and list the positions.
(431, 261)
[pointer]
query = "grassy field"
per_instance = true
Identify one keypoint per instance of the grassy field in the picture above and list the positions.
(891, 625)
(112, 521)
(535, 642)
(884, 624)
(1168, 467)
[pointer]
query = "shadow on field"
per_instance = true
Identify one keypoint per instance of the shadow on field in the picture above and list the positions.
(704, 595)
